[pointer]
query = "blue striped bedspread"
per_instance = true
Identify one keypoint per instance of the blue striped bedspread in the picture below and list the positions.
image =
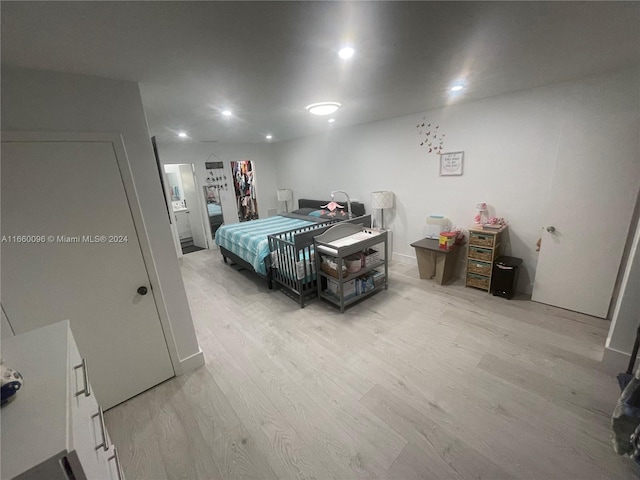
(248, 240)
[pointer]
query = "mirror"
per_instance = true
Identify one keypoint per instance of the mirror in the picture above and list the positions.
(214, 208)
(174, 188)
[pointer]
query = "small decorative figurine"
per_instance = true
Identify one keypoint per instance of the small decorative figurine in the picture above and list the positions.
(480, 217)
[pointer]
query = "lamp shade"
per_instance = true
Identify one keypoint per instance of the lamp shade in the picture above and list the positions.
(285, 195)
(481, 206)
(381, 199)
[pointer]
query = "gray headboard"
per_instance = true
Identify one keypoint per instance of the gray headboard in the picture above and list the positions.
(357, 208)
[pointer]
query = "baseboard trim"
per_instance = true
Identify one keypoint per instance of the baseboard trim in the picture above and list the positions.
(404, 259)
(192, 362)
(615, 361)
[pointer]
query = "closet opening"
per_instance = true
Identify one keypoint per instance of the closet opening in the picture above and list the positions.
(244, 183)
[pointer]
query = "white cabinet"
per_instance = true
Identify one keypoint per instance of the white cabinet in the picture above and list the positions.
(53, 428)
(182, 223)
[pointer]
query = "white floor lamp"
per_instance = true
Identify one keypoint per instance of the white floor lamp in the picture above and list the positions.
(285, 195)
(381, 200)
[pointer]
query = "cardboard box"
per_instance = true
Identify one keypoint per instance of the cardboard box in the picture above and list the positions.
(349, 288)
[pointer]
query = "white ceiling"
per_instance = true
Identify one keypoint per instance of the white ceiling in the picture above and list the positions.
(267, 60)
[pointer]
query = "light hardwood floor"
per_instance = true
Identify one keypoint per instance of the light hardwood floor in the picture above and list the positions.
(420, 381)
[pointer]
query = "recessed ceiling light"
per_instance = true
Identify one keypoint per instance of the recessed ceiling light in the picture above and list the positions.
(346, 52)
(331, 120)
(323, 108)
(182, 134)
(269, 137)
(456, 88)
(227, 113)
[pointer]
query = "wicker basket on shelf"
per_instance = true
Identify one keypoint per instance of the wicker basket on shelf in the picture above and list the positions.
(478, 282)
(483, 254)
(333, 271)
(480, 240)
(479, 267)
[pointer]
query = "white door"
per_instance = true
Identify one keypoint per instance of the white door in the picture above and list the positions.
(70, 251)
(194, 207)
(592, 200)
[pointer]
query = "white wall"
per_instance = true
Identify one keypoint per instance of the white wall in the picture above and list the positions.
(198, 153)
(509, 145)
(37, 100)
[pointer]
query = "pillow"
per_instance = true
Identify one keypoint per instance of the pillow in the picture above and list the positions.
(307, 211)
(315, 213)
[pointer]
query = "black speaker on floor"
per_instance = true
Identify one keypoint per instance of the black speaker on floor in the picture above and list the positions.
(505, 276)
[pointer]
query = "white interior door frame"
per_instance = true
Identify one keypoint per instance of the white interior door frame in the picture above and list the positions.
(117, 142)
(173, 222)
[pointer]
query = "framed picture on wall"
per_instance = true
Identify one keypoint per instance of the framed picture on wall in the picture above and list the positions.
(451, 163)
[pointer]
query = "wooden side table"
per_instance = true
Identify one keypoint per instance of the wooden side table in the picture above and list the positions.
(434, 261)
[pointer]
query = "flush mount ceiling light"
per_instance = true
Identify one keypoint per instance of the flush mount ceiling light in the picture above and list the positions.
(227, 113)
(456, 88)
(182, 134)
(346, 52)
(269, 137)
(331, 120)
(323, 108)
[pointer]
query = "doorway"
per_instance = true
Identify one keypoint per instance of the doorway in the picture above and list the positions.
(574, 272)
(244, 183)
(186, 207)
(72, 198)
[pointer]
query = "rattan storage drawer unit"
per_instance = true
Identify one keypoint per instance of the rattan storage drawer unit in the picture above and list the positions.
(478, 281)
(484, 254)
(484, 247)
(480, 268)
(481, 239)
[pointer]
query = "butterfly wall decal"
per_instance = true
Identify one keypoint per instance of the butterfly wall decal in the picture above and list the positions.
(432, 138)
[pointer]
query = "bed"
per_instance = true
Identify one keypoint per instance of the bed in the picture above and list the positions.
(247, 244)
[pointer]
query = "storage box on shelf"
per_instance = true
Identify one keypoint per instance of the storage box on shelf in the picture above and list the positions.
(480, 268)
(370, 257)
(350, 263)
(484, 247)
(348, 288)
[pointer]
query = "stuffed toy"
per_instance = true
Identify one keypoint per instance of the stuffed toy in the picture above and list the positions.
(333, 209)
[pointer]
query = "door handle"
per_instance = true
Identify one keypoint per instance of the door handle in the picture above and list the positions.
(551, 229)
(103, 431)
(142, 290)
(116, 457)
(85, 379)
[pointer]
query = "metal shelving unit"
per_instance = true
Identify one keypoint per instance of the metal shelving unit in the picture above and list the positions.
(339, 242)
